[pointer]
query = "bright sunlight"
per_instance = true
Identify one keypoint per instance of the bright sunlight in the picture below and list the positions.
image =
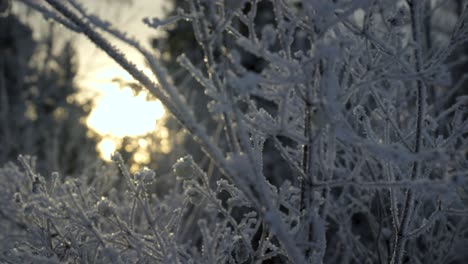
(118, 112)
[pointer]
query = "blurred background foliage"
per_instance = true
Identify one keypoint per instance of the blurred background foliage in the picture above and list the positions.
(39, 113)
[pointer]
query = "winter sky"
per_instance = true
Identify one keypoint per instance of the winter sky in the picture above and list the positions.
(117, 113)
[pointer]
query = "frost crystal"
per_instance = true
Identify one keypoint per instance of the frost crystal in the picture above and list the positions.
(145, 175)
(105, 207)
(183, 168)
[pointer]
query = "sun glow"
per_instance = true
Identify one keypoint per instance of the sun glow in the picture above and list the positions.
(118, 112)
(121, 114)
(106, 147)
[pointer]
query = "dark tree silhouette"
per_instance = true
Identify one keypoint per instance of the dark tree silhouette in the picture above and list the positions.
(39, 113)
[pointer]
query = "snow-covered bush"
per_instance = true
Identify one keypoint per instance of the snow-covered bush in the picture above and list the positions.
(359, 98)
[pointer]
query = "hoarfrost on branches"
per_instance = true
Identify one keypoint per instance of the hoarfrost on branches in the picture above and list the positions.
(358, 99)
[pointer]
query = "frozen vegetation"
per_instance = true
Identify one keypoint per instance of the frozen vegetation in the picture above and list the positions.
(364, 101)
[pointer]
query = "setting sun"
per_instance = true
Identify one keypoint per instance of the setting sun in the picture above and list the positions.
(122, 114)
(118, 112)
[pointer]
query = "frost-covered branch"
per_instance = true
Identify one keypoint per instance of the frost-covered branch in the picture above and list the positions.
(343, 136)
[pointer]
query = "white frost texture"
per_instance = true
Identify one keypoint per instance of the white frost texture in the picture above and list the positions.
(340, 136)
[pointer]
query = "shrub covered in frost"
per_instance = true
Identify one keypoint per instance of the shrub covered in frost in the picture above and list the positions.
(360, 99)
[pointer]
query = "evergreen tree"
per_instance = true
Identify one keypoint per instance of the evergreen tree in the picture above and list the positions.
(39, 112)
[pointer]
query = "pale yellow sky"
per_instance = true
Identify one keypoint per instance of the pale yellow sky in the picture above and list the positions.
(117, 113)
